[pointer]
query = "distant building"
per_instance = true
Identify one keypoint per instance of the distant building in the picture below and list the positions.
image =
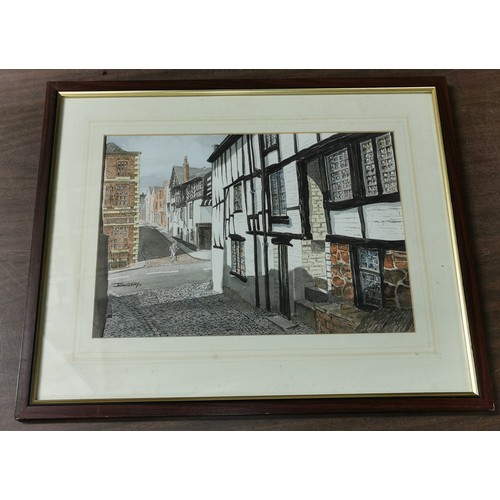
(142, 207)
(121, 203)
(155, 205)
(191, 205)
(166, 205)
(311, 225)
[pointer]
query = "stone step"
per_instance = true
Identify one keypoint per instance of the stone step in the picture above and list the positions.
(315, 294)
(282, 322)
(304, 309)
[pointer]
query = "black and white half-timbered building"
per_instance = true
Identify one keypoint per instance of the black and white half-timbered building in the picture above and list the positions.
(190, 200)
(311, 225)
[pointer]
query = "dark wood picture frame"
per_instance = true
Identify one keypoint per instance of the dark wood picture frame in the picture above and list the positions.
(27, 410)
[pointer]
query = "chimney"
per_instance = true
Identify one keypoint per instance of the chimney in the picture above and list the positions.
(185, 167)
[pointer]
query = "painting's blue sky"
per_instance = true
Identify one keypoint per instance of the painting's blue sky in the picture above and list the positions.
(161, 152)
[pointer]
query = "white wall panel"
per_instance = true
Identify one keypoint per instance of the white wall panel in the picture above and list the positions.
(346, 223)
(384, 221)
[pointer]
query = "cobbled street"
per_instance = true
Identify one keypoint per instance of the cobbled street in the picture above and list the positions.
(189, 310)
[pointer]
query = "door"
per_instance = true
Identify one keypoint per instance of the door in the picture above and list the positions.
(205, 237)
(283, 280)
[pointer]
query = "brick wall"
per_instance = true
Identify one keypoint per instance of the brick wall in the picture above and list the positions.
(121, 176)
(118, 257)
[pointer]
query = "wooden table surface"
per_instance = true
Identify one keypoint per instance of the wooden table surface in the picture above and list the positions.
(475, 99)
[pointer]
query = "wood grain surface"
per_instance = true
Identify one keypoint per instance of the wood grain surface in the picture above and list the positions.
(475, 97)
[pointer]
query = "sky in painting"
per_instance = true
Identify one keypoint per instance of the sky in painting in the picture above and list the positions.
(161, 153)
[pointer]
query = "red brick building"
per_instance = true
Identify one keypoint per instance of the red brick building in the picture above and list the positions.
(121, 203)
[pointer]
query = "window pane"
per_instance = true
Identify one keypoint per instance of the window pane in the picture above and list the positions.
(371, 281)
(238, 257)
(369, 259)
(122, 168)
(278, 193)
(121, 196)
(120, 237)
(233, 256)
(387, 163)
(241, 258)
(369, 169)
(270, 140)
(340, 175)
(371, 289)
(237, 197)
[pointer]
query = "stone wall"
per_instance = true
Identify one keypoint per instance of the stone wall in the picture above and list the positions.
(341, 282)
(396, 280)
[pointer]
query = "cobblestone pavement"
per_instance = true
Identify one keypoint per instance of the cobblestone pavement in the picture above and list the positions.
(189, 310)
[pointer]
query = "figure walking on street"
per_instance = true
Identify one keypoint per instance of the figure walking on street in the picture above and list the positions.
(174, 248)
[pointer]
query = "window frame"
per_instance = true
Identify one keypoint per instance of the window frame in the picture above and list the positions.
(116, 196)
(282, 217)
(268, 148)
(122, 238)
(236, 209)
(357, 172)
(238, 268)
(357, 275)
(120, 165)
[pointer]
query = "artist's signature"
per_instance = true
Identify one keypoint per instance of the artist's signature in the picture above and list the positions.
(136, 284)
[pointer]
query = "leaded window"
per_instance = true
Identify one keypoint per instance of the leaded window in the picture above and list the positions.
(339, 172)
(370, 293)
(238, 257)
(278, 194)
(237, 198)
(369, 168)
(122, 167)
(120, 237)
(270, 140)
(387, 163)
(120, 196)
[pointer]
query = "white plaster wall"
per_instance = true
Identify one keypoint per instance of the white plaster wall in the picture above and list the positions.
(205, 215)
(249, 256)
(294, 226)
(216, 224)
(324, 136)
(271, 158)
(346, 223)
(384, 221)
(295, 255)
(258, 196)
(217, 268)
(254, 143)
(287, 145)
(239, 224)
(291, 184)
(306, 140)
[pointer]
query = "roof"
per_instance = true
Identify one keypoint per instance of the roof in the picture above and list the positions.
(193, 173)
(223, 146)
(112, 148)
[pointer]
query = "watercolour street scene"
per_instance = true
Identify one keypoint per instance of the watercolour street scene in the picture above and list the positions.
(257, 234)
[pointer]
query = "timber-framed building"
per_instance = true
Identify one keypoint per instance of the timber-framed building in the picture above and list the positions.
(311, 225)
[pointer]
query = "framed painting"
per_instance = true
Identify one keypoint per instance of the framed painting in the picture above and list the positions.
(250, 248)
